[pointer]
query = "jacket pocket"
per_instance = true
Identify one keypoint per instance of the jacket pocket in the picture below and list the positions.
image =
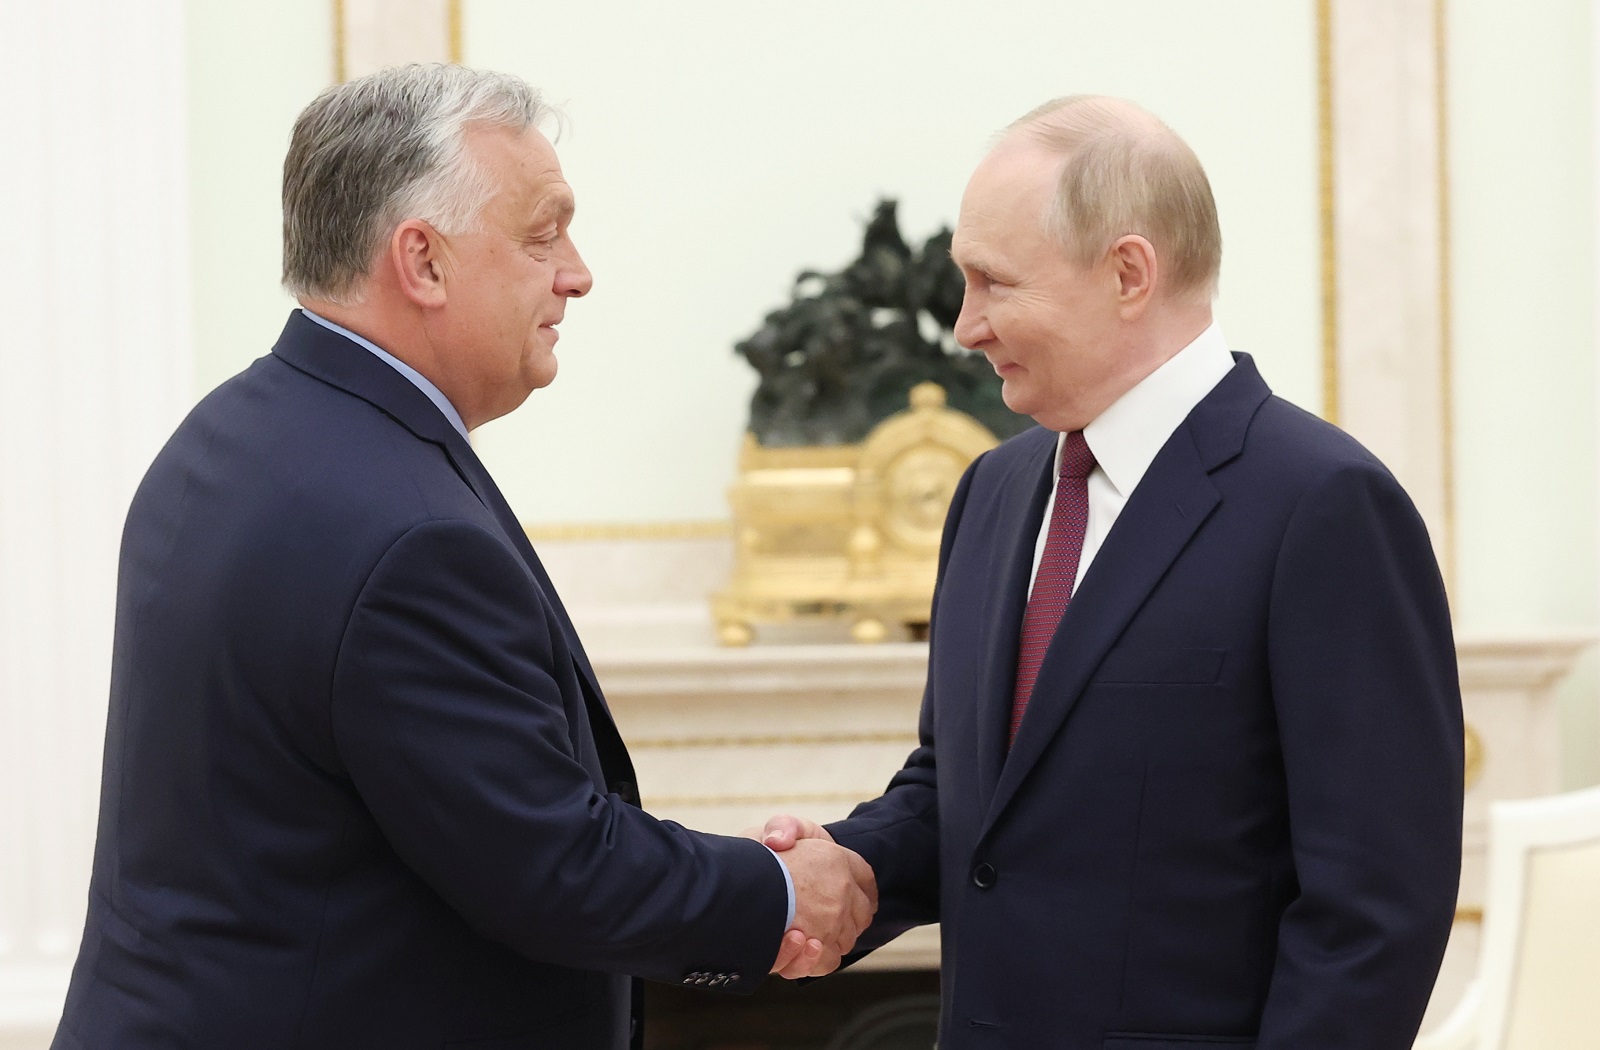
(1141, 1041)
(1145, 665)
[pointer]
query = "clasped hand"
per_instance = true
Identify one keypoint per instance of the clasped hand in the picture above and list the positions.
(835, 895)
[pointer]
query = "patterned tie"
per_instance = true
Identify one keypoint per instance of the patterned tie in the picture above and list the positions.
(1058, 569)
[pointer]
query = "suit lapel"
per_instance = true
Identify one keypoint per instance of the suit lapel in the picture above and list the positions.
(472, 469)
(335, 360)
(1170, 503)
(1000, 621)
(608, 739)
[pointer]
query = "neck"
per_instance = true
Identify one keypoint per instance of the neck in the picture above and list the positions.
(1175, 328)
(390, 329)
(400, 331)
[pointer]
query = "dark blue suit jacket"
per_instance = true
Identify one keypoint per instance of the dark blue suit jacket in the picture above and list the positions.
(361, 788)
(1232, 814)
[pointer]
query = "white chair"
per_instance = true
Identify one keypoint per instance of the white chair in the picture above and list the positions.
(1538, 982)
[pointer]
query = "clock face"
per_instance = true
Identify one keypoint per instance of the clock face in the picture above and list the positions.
(920, 482)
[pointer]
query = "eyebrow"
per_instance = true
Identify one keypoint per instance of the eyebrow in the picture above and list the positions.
(982, 266)
(557, 208)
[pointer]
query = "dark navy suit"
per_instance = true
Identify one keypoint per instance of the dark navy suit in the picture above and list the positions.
(361, 788)
(1232, 814)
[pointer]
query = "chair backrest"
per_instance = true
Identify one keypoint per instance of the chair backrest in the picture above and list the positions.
(1539, 967)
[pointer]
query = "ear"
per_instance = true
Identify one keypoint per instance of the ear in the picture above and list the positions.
(1133, 261)
(416, 253)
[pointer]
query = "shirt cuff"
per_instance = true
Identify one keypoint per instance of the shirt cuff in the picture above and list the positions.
(788, 883)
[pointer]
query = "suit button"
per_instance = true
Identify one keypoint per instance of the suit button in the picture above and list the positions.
(626, 791)
(983, 876)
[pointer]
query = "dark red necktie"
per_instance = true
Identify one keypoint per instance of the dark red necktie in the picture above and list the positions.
(1058, 569)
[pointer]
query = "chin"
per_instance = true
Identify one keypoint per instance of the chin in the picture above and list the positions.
(1019, 398)
(541, 372)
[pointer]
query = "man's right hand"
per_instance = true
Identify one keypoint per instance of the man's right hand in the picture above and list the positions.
(783, 831)
(836, 896)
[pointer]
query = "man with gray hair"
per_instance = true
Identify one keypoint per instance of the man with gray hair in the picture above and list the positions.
(361, 785)
(1190, 771)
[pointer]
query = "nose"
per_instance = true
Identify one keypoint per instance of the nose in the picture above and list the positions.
(972, 326)
(574, 279)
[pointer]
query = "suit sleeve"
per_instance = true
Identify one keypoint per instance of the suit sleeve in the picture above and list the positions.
(1363, 675)
(450, 721)
(898, 832)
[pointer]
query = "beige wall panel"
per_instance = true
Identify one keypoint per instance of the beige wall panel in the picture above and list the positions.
(372, 34)
(1391, 355)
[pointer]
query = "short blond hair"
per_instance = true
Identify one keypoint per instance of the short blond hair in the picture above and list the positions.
(1125, 172)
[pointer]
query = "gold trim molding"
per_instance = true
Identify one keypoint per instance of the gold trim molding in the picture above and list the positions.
(558, 532)
(780, 740)
(1327, 214)
(1447, 400)
(1473, 761)
(454, 29)
(338, 42)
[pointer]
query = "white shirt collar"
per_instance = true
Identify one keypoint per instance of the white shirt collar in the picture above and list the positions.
(1126, 437)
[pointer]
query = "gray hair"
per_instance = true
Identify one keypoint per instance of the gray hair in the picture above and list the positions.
(1127, 172)
(369, 154)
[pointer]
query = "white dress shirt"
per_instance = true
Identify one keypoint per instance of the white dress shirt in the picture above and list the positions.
(1126, 437)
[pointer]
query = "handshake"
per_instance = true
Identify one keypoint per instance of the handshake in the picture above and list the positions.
(835, 895)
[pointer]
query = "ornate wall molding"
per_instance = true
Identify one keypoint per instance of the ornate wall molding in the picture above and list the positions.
(371, 34)
(1387, 369)
(627, 530)
(97, 373)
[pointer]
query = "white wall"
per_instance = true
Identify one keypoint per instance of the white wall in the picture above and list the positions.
(252, 67)
(717, 148)
(1523, 185)
(94, 373)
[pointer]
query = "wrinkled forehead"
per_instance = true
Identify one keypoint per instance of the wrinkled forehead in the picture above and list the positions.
(526, 170)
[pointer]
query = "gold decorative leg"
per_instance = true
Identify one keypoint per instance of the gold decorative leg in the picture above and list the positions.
(869, 630)
(734, 633)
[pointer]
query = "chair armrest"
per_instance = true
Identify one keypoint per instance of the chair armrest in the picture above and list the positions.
(1460, 1030)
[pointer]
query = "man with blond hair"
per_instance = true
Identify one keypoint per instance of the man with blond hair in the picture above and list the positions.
(362, 789)
(1190, 769)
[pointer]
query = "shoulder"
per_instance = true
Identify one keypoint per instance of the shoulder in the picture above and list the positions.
(1289, 452)
(1324, 486)
(1302, 437)
(303, 473)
